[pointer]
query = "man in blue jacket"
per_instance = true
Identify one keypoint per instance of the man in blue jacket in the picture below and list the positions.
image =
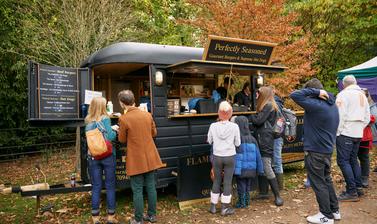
(321, 121)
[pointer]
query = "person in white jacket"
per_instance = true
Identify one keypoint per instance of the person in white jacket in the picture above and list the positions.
(354, 116)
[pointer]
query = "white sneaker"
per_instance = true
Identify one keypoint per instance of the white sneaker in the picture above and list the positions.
(319, 218)
(336, 215)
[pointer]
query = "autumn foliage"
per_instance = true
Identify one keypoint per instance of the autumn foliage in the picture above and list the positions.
(265, 20)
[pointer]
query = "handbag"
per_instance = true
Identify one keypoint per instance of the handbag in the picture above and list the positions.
(99, 147)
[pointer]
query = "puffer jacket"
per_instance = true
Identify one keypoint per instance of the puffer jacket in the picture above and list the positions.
(263, 123)
(248, 158)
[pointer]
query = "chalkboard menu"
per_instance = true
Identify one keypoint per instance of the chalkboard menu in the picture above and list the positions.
(234, 50)
(58, 92)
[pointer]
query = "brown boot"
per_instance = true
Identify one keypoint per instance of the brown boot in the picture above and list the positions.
(111, 219)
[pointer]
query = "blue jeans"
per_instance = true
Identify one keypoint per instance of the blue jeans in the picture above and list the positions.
(347, 149)
(97, 168)
(277, 162)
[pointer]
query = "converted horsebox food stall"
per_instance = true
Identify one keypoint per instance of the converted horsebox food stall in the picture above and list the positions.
(164, 78)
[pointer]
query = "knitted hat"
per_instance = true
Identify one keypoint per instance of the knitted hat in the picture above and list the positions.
(225, 111)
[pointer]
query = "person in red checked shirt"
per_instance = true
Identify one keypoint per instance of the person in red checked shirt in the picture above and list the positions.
(365, 145)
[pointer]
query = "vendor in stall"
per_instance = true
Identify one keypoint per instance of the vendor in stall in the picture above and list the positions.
(223, 90)
(244, 96)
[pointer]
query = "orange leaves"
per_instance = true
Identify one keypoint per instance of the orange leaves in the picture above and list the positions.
(263, 21)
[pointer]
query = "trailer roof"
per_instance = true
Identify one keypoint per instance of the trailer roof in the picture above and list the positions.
(132, 52)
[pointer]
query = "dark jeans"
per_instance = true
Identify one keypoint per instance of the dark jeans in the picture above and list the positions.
(137, 183)
(96, 169)
(347, 149)
(318, 168)
(226, 164)
(363, 155)
(243, 185)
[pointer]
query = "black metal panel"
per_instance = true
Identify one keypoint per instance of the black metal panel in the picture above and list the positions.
(85, 83)
(159, 111)
(172, 131)
(167, 122)
(199, 139)
(172, 141)
(160, 91)
(200, 129)
(203, 120)
(174, 151)
(166, 172)
(170, 161)
(32, 92)
(201, 148)
(159, 101)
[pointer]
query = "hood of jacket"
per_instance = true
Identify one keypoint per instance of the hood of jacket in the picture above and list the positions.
(243, 124)
(222, 130)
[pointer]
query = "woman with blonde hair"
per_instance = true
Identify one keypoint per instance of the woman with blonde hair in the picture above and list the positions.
(224, 136)
(98, 118)
(264, 120)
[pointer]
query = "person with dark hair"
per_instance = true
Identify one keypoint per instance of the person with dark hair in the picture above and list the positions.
(264, 121)
(321, 121)
(223, 90)
(248, 162)
(137, 129)
(243, 97)
(354, 114)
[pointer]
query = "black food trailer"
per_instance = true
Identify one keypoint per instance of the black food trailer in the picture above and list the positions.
(165, 78)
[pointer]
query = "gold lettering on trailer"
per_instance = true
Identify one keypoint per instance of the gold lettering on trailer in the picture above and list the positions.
(193, 161)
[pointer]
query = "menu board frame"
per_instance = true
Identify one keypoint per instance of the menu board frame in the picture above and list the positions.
(66, 85)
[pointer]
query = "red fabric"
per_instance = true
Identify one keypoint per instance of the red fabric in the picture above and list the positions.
(368, 135)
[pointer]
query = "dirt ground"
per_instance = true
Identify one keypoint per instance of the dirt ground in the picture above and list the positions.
(299, 202)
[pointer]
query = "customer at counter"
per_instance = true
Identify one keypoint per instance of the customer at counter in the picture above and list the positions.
(137, 129)
(263, 121)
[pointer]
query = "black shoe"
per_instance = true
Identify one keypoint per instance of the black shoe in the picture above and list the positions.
(212, 209)
(364, 181)
(344, 196)
(275, 189)
(360, 192)
(133, 221)
(150, 218)
(226, 209)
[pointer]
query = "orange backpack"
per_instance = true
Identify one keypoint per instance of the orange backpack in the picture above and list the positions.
(98, 146)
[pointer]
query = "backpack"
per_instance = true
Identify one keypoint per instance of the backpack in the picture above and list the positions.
(279, 125)
(98, 146)
(290, 122)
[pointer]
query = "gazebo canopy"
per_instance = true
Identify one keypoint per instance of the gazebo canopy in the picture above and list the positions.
(365, 74)
(367, 69)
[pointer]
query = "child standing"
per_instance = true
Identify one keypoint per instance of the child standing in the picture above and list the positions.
(248, 162)
(225, 137)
